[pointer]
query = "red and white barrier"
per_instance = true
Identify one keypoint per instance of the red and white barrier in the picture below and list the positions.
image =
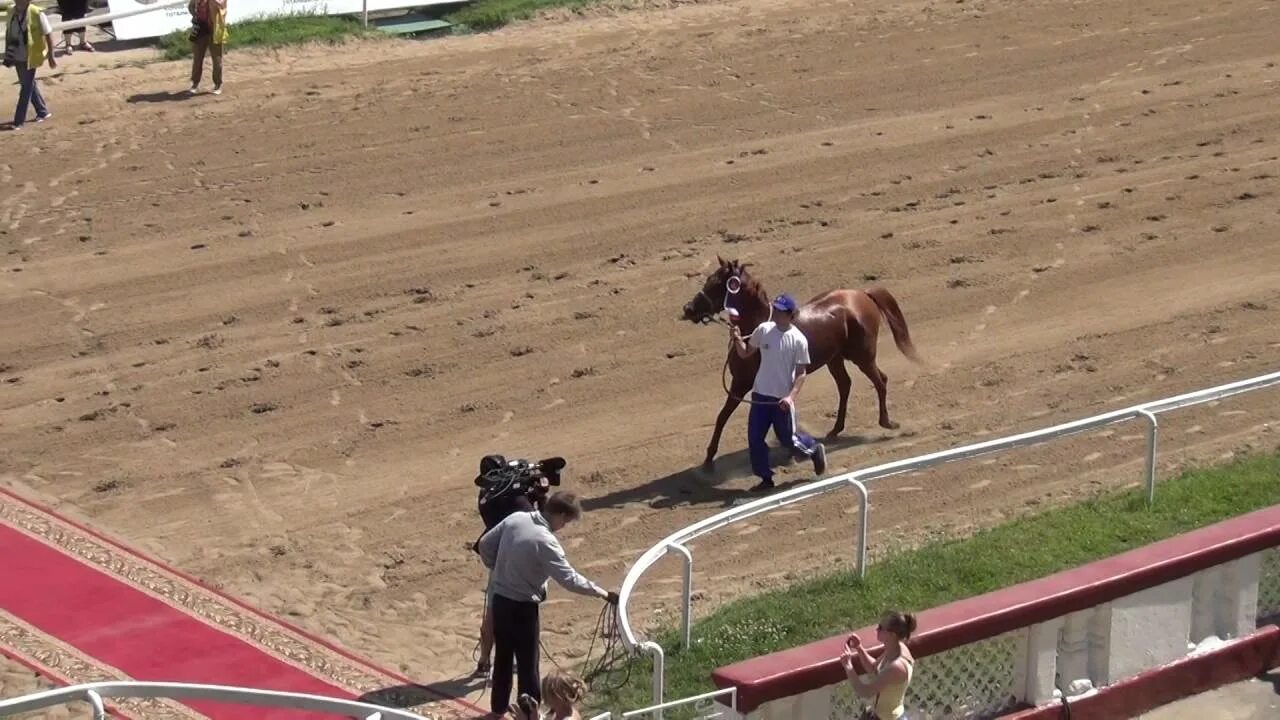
(1114, 634)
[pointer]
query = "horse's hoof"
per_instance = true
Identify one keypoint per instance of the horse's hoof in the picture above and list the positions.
(834, 434)
(708, 464)
(888, 425)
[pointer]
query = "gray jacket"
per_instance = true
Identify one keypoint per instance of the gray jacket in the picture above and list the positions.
(522, 553)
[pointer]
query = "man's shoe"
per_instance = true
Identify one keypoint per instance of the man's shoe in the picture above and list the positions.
(482, 669)
(763, 486)
(820, 459)
(217, 89)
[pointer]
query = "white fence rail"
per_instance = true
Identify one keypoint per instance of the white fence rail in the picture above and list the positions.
(714, 705)
(678, 542)
(96, 693)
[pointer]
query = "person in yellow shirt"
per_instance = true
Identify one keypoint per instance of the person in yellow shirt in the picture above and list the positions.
(891, 673)
(208, 36)
(28, 43)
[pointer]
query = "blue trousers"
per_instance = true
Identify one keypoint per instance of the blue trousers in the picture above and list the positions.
(767, 413)
(28, 94)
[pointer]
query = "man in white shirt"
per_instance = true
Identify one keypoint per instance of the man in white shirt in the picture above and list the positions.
(784, 357)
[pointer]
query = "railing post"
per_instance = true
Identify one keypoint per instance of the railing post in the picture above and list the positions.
(686, 610)
(659, 674)
(95, 701)
(1153, 431)
(860, 556)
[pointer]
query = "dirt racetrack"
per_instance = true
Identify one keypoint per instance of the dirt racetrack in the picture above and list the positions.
(268, 335)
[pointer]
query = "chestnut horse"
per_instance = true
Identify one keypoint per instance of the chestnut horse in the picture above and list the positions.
(840, 325)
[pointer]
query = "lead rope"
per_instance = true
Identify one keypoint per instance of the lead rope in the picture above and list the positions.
(613, 654)
(613, 659)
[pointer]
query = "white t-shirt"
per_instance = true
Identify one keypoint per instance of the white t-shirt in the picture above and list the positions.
(781, 355)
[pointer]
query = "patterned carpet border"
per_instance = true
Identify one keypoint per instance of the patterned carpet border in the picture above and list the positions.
(59, 661)
(277, 637)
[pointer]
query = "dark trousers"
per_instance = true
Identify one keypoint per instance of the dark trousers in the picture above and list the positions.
(767, 414)
(200, 46)
(515, 638)
(28, 94)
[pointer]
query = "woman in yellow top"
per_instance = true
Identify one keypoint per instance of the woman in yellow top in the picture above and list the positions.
(892, 671)
(208, 35)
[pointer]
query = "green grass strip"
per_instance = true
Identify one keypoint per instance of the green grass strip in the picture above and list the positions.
(941, 572)
(272, 32)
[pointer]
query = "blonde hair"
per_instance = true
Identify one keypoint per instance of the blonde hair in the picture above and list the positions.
(565, 687)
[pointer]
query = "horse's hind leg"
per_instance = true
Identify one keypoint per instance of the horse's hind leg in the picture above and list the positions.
(881, 382)
(843, 384)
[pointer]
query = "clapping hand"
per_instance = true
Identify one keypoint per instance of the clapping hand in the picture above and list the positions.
(851, 648)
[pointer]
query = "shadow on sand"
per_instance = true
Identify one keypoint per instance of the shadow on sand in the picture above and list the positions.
(414, 695)
(159, 97)
(698, 485)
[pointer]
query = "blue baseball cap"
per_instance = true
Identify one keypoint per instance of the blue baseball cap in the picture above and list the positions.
(784, 303)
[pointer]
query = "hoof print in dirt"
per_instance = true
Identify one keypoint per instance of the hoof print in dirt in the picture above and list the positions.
(263, 408)
(210, 341)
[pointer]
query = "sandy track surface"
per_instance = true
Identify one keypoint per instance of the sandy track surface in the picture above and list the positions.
(267, 336)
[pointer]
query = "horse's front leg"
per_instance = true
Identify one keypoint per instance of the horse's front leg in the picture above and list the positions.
(843, 384)
(731, 403)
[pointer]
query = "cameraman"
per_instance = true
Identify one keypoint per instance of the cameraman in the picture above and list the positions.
(494, 508)
(522, 553)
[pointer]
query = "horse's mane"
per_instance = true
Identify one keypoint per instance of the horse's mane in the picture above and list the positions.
(752, 287)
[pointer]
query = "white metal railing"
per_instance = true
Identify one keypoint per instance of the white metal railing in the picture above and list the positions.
(678, 542)
(103, 18)
(707, 706)
(96, 693)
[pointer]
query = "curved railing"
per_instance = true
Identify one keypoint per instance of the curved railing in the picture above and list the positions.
(678, 541)
(96, 693)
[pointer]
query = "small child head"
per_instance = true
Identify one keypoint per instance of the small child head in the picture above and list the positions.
(563, 691)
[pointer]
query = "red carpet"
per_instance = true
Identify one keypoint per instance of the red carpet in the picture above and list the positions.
(78, 607)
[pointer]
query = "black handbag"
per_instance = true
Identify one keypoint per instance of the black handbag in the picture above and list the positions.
(199, 29)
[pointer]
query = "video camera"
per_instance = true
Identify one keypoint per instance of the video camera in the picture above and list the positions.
(510, 485)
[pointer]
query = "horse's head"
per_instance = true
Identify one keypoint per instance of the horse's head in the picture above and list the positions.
(729, 276)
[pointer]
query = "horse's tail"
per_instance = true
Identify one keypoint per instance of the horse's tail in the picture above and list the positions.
(888, 305)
